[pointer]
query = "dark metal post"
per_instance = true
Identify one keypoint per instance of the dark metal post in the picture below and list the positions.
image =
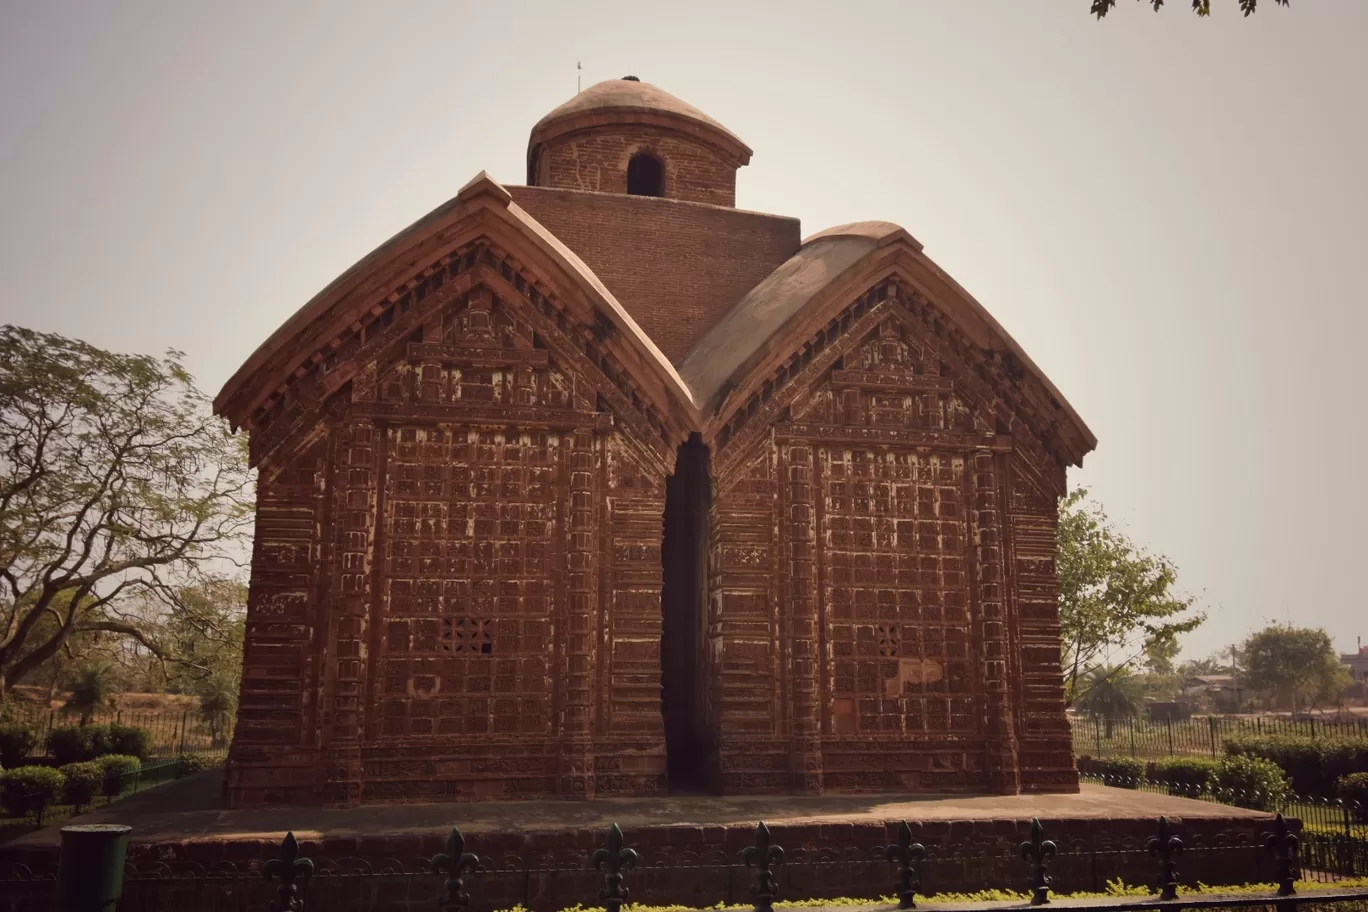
(1282, 844)
(1038, 851)
(1170, 735)
(764, 856)
(288, 867)
(616, 858)
(455, 862)
(90, 867)
(1166, 846)
(906, 854)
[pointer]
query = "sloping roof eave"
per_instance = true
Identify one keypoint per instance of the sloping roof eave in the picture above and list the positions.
(346, 298)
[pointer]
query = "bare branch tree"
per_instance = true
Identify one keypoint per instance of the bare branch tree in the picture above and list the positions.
(117, 485)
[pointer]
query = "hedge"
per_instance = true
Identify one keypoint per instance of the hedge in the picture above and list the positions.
(1185, 775)
(1353, 791)
(1126, 772)
(30, 789)
(73, 744)
(120, 771)
(1251, 782)
(1315, 765)
(84, 781)
(16, 741)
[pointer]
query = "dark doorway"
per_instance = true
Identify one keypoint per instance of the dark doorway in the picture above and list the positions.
(689, 740)
(645, 176)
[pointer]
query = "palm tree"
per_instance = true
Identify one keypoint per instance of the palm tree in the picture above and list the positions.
(217, 701)
(90, 692)
(1110, 694)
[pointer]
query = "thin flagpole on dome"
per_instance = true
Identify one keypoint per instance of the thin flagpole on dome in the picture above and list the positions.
(579, 67)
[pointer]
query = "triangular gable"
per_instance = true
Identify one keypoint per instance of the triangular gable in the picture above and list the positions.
(773, 333)
(415, 263)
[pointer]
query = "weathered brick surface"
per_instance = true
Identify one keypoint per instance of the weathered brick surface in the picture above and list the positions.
(597, 160)
(457, 579)
(677, 267)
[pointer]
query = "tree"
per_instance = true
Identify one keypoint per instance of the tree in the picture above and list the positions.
(217, 700)
(1113, 595)
(1291, 661)
(1100, 8)
(117, 487)
(1110, 693)
(90, 692)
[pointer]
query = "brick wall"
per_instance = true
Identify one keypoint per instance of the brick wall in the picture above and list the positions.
(676, 267)
(597, 160)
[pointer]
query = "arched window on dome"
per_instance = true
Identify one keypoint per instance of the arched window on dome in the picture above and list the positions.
(645, 175)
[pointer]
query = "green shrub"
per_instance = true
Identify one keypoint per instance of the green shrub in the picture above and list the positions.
(73, 744)
(84, 781)
(188, 764)
(16, 741)
(30, 789)
(1314, 765)
(1251, 782)
(1353, 791)
(120, 771)
(129, 741)
(1125, 772)
(1185, 775)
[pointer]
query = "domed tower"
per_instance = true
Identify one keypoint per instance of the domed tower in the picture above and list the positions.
(627, 136)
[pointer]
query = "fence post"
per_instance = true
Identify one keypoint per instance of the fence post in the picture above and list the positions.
(1097, 731)
(1170, 735)
(90, 867)
(1130, 723)
(1211, 727)
(184, 716)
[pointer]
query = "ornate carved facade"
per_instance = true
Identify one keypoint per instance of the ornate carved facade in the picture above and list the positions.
(507, 548)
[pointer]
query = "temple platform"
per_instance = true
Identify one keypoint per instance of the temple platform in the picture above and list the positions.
(691, 846)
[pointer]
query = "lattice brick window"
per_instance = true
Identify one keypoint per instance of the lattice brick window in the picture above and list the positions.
(889, 641)
(467, 635)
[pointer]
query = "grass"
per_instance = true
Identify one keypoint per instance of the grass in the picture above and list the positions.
(1114, 890)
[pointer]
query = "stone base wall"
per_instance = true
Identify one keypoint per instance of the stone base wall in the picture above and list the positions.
(693, 866)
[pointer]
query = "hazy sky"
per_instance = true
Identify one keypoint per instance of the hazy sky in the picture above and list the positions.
(1168, 213)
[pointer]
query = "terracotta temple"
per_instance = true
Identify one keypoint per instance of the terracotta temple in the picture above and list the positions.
(601, 486)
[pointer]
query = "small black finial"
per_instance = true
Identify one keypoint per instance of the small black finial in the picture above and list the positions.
(630, 79)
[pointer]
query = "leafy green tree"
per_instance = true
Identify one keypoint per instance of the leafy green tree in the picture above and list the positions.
(91, 691)
(1100, 8)
(217, 700)
(1293, 662)
(1113, 595)
(1110, 693)
(117, 486)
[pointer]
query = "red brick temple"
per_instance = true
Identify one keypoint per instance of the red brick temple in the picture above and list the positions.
(601, 486)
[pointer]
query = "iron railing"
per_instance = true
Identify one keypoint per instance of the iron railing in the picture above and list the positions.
(1334, 832)
(1197, 736)
(173, 732)
(462, 880)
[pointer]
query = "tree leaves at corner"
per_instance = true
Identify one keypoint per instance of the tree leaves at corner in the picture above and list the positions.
(1113, 595)
(1100, 8)
(119, 493)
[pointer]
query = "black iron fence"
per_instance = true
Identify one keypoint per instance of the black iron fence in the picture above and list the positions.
(902, 873)
(1334, 833)
(1199, 735)
(172, 732)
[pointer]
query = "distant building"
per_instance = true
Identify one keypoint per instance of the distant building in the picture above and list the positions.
(1221, 692)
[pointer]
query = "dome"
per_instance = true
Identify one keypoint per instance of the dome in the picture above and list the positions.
(629, 101)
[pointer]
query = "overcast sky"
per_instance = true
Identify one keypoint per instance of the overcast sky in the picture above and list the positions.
(1168, 213)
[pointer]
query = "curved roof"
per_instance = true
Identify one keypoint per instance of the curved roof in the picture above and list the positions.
(627, 101)
(822, 276)
(723, 357)
(481, 208)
